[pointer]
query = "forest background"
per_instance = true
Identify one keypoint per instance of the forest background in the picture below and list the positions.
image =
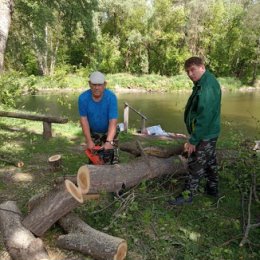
(137, 37)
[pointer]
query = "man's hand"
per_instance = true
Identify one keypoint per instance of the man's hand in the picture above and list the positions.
(90, 145)
(190, 148)
(107, 146)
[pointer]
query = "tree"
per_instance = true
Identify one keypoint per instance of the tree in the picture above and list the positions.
(6, 9)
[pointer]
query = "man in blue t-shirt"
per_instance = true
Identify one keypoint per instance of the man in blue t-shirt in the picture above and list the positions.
(98, 113)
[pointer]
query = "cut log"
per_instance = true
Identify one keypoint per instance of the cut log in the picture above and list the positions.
(112, 178)
(54, 205)
(55, 162)
(12, 161)
(83, 180)
(87, 240)
(19, 242)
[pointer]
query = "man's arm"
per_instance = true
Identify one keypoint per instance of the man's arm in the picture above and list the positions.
(111, 133)
(86, 131)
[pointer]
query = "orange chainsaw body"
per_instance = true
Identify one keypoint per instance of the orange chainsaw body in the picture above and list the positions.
(94, 156)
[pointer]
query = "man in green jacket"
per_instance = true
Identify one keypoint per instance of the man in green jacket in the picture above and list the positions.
(202, 119)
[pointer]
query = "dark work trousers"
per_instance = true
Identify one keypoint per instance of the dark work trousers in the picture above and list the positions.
(110, 156)
(203, 163)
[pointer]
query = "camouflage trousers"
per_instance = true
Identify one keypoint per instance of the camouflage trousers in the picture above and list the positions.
(203, 163)
(110, 156)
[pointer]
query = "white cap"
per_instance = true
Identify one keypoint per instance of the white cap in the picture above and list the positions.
(97, 78)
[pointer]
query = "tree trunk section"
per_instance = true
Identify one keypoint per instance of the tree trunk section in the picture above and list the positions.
(54, 205)
(87, 240)
(112, 178)
(19, 242)
(6, 9)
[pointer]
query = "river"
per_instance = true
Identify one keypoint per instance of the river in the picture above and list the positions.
(241, 110)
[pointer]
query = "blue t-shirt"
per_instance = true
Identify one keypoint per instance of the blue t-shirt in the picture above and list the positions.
(98, 113)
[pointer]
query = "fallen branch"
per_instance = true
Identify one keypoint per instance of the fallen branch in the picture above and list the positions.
(11, 161)
(249, 225)
(161, 152)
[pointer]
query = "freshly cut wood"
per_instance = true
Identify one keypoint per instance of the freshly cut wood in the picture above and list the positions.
(87, 240)
(12, 161)
(83, 180)
(55, 162)
(112, 178)
(19, 242)
(57, 203)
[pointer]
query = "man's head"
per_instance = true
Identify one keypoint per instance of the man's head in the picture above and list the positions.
(97, 84)
(194, 68)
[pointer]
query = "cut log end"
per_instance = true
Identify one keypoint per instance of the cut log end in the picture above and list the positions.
(121, 251)
(83, 179)
(20, 164)
(55, 162)
(74, 191)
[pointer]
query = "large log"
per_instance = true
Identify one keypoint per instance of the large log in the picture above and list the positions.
(112, 178)
(87, 240)
(19, 242)
(57, 203)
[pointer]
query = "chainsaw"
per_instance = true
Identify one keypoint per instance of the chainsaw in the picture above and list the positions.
(98, 155)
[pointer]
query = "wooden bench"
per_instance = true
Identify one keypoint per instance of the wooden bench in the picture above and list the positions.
(47, 120)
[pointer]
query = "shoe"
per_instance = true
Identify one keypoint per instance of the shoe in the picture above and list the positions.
(180, 200)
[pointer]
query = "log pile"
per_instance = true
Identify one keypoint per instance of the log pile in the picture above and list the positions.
(71, 192)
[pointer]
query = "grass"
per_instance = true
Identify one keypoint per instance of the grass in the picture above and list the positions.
(208, 229)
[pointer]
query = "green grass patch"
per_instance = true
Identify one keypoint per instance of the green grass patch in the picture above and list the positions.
(208, 229)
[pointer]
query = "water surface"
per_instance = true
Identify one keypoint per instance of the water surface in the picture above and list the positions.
(241, 109)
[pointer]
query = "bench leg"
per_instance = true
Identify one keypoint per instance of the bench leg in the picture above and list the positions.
(47, 130)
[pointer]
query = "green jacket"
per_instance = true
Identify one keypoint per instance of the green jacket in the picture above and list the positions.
(202, 111)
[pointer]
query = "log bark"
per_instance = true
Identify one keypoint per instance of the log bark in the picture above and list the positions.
(112, 178)
(87, 240)
(19, 242)
(54, 205)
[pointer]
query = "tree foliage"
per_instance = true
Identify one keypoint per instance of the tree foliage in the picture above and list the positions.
(137, 36)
